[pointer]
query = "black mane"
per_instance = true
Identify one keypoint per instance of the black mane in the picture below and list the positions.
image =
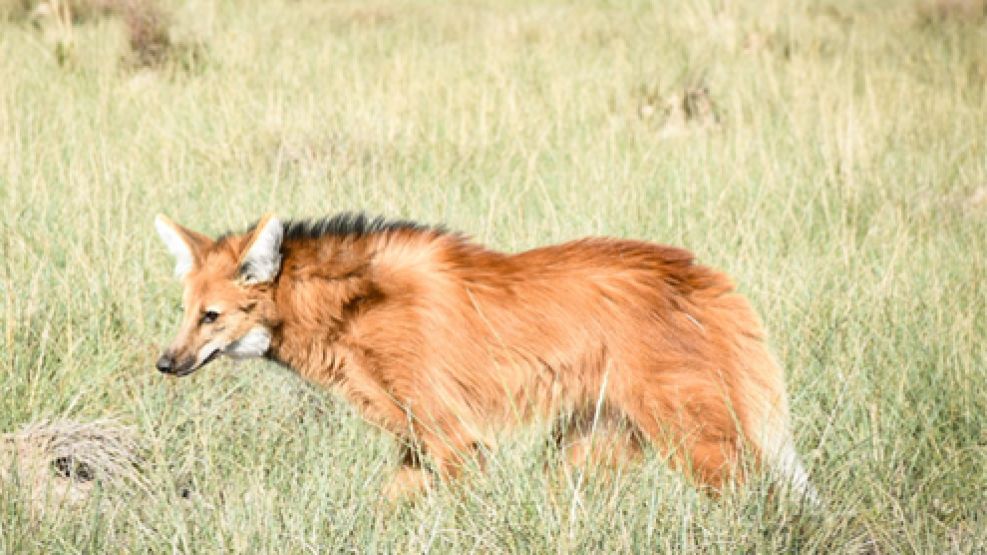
(349, 224)
(344, 224)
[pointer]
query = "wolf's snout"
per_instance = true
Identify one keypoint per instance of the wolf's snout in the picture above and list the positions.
(165, 364)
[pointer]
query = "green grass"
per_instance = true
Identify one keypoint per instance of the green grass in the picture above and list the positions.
(844, 187)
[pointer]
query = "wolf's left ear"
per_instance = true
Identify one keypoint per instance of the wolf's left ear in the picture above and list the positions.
(184, 244)
(261, 260)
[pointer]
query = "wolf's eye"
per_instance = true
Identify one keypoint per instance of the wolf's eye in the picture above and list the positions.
(209, 317)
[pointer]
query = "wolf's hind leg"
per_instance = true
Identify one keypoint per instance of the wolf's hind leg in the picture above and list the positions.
(699, 436)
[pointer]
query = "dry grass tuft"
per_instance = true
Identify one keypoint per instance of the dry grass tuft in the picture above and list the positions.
(13, 10)
(680, 113)
(58, 462)
(147, 24)
(147, 31)
(958, 10)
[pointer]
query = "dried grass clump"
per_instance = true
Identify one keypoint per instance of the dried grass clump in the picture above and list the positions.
(12, 10)
(147, 31)
(148, 26)
(58, 462)
(680, 113)
(955, 10)
(75, 11)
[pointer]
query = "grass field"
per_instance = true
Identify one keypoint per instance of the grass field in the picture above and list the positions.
(831, 156)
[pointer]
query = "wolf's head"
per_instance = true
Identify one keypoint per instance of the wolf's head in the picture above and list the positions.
(228, 299)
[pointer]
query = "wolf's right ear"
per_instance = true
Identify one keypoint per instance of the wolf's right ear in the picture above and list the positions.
(184, 244)
(261, 261)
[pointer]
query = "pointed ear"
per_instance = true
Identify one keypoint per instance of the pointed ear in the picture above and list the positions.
(261, 260)
(185, 245)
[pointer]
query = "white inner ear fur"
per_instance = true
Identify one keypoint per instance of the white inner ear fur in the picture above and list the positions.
(263, 260)
(176, 246)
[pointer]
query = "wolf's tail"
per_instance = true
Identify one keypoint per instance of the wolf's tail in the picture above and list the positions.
(767, 426)
(783, 462)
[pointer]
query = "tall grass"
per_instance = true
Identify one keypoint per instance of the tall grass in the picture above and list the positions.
(841, 180)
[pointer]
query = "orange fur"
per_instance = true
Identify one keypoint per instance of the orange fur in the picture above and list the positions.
(445, 343)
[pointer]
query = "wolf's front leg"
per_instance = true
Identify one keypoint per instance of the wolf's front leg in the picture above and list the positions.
(447, 458)
(410, 479)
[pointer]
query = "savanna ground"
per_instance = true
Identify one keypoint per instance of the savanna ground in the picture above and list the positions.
(831, 156)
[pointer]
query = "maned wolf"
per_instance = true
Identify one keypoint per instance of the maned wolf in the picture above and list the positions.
(444, 343)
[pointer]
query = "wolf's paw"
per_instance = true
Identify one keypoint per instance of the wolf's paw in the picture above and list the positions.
(406, 484)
